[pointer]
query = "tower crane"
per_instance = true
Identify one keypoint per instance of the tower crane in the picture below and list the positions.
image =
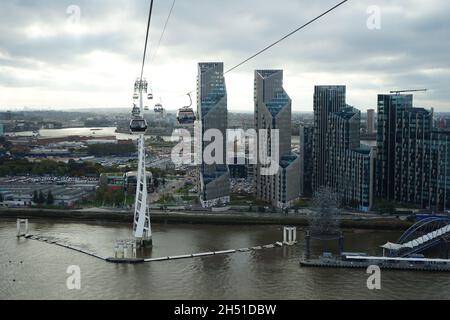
(403, 91)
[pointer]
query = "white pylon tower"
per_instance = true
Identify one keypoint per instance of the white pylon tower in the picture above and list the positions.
(141, 227)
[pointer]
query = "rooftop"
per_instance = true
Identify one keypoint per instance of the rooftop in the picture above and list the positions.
(267, 73)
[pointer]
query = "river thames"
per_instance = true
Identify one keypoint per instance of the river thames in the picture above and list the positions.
(31, 269)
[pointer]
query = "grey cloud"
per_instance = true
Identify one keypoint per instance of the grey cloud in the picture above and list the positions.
(413, 38)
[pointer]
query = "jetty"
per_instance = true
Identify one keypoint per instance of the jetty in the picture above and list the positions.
(393, 263)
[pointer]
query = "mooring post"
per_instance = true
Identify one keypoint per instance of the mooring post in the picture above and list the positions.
(307, 245)
(289, 235)
(341, 243)
(444, 248)
(134, 250)
(21, 222)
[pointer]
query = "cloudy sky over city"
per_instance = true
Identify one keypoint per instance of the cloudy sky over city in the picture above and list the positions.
(50, 58)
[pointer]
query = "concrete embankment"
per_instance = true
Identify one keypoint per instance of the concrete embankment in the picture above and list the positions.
(381, 223)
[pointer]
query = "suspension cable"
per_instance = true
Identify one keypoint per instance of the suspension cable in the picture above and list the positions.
(146, 38)
(164, 30)
(282, 38)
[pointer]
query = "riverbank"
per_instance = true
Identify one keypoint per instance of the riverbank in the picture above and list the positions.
(190, 217)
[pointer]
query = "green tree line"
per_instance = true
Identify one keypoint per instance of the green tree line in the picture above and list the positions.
(107, 196)
(13, 167)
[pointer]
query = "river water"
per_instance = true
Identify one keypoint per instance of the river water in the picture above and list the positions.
(31, 269)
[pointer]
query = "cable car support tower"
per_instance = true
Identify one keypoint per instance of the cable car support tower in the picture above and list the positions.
(142, 230)
(141, 226)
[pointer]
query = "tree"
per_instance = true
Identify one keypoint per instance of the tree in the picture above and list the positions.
(385, 206)
(50, 198)
(108, 196)
(325, 217)
(156, 183)
(35, 197)
(41, 198)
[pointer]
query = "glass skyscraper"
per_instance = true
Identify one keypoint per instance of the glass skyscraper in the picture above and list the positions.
(214, 179)
(273, 111)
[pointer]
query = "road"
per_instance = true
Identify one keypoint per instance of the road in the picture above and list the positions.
(171, 187)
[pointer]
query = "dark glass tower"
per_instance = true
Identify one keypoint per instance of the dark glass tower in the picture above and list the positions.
(214, 179)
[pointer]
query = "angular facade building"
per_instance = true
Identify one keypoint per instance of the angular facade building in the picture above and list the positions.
(340, 162)
(213, 178)
(413, 155)
(273, 111)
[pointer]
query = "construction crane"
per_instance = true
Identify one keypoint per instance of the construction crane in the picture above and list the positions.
(403, 91)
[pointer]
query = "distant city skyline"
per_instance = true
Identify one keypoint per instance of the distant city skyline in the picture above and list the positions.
(50, 59)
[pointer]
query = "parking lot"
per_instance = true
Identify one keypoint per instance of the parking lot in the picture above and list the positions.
(48, 180)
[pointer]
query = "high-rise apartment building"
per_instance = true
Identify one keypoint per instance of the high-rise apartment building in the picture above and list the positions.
(273, 111)
(370, 122)
(390, 107)
(327, 99)
(306, 159)
(439, 194)
(214, 179)
(412, 155)
(339, 160)
(350, 166)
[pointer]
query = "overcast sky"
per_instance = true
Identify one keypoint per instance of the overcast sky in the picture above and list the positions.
(47, 60)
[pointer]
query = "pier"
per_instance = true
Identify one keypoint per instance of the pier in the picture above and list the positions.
(393, 263)
(405, 254)
(213, 253)
(125, 259)
(132, 260)
(50, 240)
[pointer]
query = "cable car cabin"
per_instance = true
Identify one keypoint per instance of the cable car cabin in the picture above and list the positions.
(150, 96)
(135, 112)
(135, 96)
(138, 126)
(146, 108)
(186, 116)
(159, 108)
